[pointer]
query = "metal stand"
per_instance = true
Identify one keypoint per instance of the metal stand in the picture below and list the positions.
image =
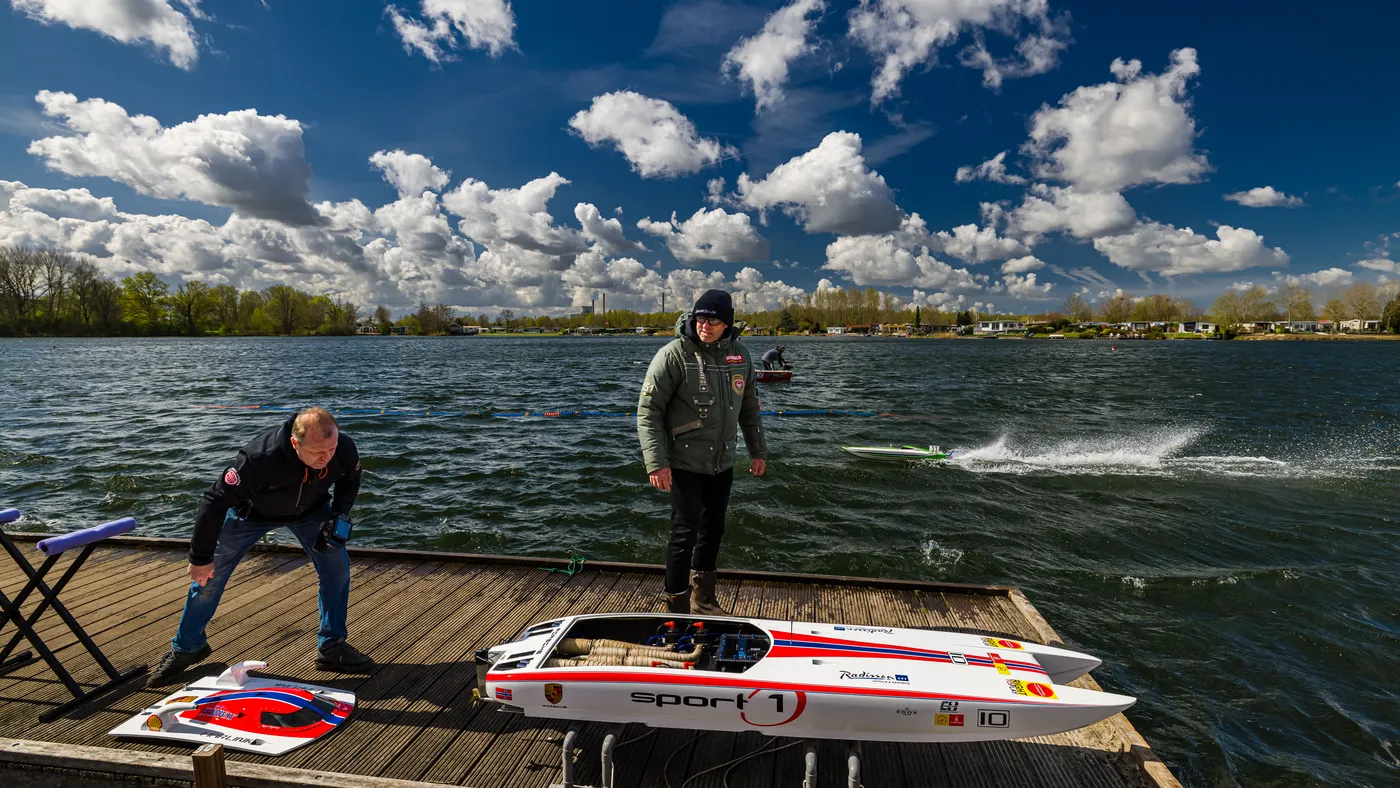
(853, 766)
(809, 777)
(567, 776)
(10, 610)
(609, 744)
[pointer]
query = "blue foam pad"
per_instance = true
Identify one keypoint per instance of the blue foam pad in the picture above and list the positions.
(57, 544)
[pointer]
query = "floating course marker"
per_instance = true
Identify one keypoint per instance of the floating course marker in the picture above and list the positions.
(528, 414)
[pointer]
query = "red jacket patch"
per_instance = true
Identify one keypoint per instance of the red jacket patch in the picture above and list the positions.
(734, 358)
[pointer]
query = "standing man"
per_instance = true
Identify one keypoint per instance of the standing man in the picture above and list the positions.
(283, 477)
(698, 391)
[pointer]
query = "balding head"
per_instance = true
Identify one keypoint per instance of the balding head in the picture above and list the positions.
(315, 436)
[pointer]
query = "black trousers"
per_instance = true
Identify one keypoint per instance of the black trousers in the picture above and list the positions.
(698, 504)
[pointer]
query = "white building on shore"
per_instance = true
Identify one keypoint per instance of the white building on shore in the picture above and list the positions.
(999, 326)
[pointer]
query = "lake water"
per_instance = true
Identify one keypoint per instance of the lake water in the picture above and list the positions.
(1216, 520)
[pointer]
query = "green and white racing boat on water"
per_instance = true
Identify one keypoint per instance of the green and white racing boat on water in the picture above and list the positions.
(893, 452)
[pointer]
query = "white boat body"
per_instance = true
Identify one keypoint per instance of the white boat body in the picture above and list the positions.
(897, 452)
(820, 681)
(181, 717)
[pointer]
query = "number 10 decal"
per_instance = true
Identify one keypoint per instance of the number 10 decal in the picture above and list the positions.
(769, 708)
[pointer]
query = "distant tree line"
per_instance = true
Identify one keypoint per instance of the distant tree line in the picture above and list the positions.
(55, 294)
(50, 293)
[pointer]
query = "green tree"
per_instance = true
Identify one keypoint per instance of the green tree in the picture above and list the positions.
(383, 318)
(284, 305)
(19, 281)
(145, 296)
(107, 305)
(83, 284)
(1390, 315)
(193, 304)
(225, 300)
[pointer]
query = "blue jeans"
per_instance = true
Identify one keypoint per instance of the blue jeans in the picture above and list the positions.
(235, 540)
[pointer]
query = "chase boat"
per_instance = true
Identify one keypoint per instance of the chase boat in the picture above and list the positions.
(790, 678)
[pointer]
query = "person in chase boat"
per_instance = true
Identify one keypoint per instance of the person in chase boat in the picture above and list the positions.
(698, 391)
(303, 475)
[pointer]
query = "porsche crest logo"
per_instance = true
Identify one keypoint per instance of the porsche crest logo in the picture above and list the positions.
(554, 693)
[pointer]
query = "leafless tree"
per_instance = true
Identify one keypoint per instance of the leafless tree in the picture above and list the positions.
(1077, 309)
(1117, 308)
(1362, 301)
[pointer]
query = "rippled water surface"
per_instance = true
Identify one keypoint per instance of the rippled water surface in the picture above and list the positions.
(1217, 521)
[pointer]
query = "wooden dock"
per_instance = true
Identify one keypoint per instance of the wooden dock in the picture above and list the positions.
(422, 614)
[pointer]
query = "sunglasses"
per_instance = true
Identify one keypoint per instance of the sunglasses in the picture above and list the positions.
(708, 321)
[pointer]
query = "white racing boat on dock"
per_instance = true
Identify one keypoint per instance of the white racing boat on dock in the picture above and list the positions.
(789, 678)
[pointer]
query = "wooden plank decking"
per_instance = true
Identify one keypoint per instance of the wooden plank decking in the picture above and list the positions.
(421, 615)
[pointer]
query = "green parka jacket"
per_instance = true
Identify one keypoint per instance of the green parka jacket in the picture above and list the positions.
(693, 399)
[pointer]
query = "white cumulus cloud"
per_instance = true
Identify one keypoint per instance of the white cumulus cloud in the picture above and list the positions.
(1025, 287)
(1324, 278)
(1383, 264)
(519, 217)
(897, 260)
(451, 24)
(655, 138)
(1021, 265)
(1046, 209)
(762, 60)
(1264, 197)
(254, 164)
(827, 189)
(1169, 251)
(976, 245)
(156, 22)
(606, 234)
(993, 169)
(904, 34)
(1116, 135)
(710, 235)
(410, 173)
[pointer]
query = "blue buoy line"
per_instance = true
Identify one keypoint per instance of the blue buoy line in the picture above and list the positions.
(524, 414)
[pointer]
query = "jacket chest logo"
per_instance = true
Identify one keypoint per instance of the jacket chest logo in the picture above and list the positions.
(734, 358)
(738, 381)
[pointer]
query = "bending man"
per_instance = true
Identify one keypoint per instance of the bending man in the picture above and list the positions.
(697, 393)
(773, 359)
(283, 477)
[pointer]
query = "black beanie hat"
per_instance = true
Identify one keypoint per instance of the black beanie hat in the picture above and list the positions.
(715, 303)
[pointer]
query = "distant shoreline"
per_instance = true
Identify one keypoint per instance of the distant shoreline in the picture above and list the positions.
(667, 335)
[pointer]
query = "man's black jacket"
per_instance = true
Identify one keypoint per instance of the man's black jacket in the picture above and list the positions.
(269, 483)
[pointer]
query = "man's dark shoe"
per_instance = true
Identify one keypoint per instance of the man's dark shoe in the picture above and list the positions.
(174, 663)
(341, 657)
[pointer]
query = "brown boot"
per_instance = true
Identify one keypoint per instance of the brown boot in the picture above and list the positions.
(677, 603)
(702, 595)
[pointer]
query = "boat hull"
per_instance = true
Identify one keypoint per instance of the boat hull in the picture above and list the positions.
(772, 375)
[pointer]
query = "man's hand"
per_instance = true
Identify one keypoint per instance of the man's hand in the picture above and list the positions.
(661, 479)
(201, 574)
(757, 466)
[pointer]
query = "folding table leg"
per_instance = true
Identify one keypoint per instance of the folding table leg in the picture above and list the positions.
(26, 626)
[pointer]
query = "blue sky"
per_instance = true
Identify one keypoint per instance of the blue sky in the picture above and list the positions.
(398, 153)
